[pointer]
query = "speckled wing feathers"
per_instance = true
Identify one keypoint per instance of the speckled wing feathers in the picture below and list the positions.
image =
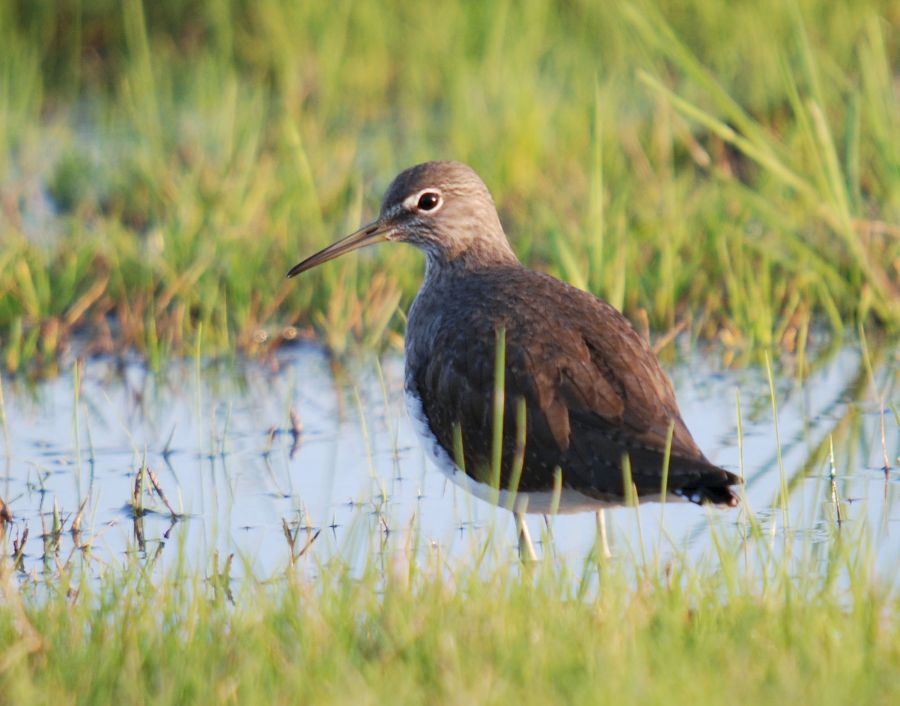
(592, 387)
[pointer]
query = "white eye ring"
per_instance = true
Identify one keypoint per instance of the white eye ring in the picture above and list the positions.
(427, 200)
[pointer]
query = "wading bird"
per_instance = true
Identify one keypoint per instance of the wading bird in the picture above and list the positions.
(586, 404)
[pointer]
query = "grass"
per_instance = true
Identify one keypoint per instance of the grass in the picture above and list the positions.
(793, 598)
(746, 626)
(162, 166)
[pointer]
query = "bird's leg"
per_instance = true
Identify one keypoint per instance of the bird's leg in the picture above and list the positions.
(526, 548)
(601, 533)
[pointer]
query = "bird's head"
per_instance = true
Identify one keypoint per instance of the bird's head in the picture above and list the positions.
(443, 208)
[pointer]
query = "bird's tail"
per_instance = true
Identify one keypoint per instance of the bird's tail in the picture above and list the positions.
(707, 483)
(705, 494)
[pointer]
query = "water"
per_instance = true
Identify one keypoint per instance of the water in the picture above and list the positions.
(219, 439)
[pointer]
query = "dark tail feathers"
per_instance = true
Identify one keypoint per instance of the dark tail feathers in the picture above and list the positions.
(713, 486)
(705, 494)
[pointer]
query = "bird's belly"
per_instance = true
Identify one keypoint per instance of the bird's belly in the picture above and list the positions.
(536, 502)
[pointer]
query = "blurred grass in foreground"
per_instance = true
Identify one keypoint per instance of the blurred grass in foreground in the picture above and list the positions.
(734, 169)
(747, 625)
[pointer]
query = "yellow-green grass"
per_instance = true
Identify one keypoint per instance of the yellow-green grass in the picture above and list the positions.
(731, 168)
(743, 624)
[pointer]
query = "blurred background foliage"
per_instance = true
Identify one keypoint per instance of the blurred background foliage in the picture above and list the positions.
(730, 169)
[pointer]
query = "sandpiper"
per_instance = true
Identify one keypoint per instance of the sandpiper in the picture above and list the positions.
(589, 389)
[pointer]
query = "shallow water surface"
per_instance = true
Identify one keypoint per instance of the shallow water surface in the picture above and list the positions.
(219, 439)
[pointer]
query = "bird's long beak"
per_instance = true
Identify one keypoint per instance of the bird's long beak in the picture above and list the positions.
(376, 232)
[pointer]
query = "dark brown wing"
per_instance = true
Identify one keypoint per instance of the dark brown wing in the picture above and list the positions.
(593, 389)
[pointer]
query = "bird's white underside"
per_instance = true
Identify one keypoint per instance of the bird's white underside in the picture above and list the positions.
(540, 503)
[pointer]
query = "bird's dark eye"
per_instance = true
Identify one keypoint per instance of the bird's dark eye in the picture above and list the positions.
(429, 201)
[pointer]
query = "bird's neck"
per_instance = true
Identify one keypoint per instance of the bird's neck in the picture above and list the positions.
(477, 255)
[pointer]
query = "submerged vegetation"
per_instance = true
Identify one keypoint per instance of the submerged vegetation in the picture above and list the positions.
(729, 170)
